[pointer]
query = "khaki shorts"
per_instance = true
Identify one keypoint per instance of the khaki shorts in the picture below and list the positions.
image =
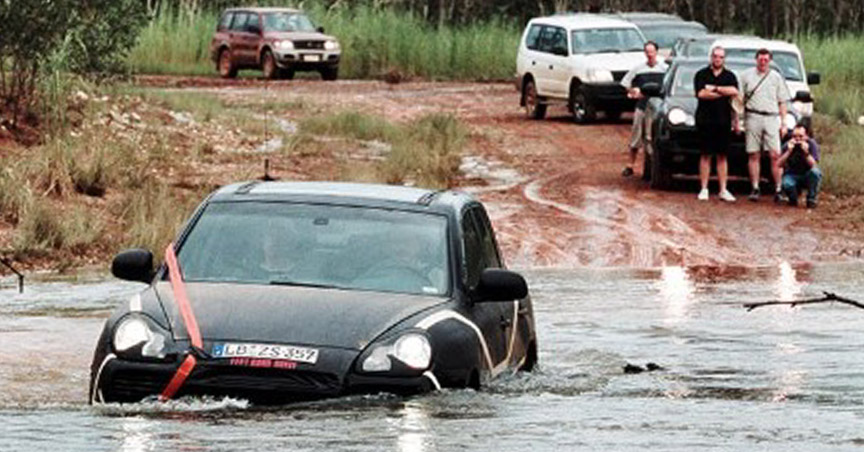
(762, 133)
(638, 129)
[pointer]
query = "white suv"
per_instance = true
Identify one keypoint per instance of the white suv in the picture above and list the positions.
(578, 59)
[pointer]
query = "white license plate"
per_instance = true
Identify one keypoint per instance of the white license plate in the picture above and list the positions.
(311, 57)
(271, 351)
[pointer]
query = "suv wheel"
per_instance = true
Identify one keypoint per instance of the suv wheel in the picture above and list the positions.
(533, 108)
(268, 65)
(583, 111)
(226, 66)
(330, 73)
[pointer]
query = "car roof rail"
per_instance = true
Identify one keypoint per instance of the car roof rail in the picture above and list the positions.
(427, 198)
(247, 187)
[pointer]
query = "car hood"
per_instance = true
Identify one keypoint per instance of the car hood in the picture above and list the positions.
(291, 315)
(686, 103)
(612, 61)
(299, 35)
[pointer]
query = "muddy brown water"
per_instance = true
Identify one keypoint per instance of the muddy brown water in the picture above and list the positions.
(771, 379)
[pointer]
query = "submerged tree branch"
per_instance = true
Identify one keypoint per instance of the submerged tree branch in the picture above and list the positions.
(828, 298)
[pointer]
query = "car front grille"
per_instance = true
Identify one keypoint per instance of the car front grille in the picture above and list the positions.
(133, 385)
(309, 45)
(220, 379)
(618, 75)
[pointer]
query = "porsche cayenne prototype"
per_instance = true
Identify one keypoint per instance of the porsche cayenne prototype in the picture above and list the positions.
(284, 291)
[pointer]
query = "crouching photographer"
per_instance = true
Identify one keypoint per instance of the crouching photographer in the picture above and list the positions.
(800, 163)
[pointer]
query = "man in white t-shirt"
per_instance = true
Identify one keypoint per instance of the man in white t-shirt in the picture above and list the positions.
(765, 95)
(650, 71)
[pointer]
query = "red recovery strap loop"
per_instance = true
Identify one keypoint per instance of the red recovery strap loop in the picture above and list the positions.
(189, 322)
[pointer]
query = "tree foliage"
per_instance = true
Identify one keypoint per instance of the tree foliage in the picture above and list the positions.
(80, 36)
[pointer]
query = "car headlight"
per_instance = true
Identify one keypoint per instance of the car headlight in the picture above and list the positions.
(790, 121)
(133, 331)
(412, 349)
(285, 45)
(678, 116)
(331, 45)
(595, 75)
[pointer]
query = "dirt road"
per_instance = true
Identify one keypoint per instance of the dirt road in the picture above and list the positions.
(554, 188)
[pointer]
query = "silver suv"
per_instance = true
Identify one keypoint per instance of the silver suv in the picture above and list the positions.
(579, 60)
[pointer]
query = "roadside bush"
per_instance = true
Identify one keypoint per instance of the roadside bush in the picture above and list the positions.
(15, 193)
(430, 154)
(154, 215)
(351, 124)
(40, 228)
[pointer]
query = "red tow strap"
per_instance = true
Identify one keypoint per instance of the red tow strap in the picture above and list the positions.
(189, 322)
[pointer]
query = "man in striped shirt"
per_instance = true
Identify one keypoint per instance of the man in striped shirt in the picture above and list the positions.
(650, 71)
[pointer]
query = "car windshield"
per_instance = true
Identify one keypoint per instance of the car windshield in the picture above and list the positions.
(665, 34)
(287, 21)
(787, 62)
(605, 40)
(318, 245)
(682, 84)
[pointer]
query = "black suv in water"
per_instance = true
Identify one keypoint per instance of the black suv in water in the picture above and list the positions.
(280, 291)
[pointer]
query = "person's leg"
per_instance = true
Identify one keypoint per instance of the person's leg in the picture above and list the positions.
(789, 185)
(814, 180)
(772, 143)
(635, 141)
(776, 170)
(753, 146)
(704, 172)
(722, 171)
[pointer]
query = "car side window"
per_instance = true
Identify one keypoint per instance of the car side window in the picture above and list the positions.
(480, 250)
(239, 23)
(487, 238)
(472, 250)
(532, 39)
(253, 21)
(225, 22)
(553, 40)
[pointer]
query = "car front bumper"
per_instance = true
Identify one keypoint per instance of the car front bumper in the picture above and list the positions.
(680, 151)
(125, 381)
(608, 96)
(307, 59)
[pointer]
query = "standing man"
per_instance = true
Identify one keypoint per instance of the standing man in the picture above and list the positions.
(715, 85)
(651, 70)
(765, 96)
(800, 161)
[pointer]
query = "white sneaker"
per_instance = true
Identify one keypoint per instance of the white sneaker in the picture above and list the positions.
(703, 195)
(726, 196)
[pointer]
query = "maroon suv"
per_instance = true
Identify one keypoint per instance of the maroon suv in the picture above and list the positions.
(279, 41)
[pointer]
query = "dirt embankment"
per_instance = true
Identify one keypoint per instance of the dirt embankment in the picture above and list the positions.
(554, 189)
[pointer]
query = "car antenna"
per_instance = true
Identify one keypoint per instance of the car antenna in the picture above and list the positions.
(267, 177)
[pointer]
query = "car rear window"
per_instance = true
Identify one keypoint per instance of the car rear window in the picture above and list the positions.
(318, 245)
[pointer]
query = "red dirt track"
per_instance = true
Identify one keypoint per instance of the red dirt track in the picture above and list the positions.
(554, 190)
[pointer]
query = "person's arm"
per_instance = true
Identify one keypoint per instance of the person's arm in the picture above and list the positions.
(808, 155)
(789, 147)
(709, 92)
(727, 90)
(815, 149)
(783, 129)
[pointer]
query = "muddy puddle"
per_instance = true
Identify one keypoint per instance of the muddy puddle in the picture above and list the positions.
(773, 378)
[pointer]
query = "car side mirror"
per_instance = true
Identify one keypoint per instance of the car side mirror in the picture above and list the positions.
(497, 284)
(651, 89)
(133, 265)
(320, 30)
(254, 29)
(813, 78)
(803, 96)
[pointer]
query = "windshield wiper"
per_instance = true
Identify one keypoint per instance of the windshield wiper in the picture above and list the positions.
(277, 282)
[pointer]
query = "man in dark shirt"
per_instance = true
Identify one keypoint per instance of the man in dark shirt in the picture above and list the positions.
(800, 162)
(715, 85)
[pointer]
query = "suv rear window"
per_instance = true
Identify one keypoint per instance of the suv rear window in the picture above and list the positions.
(607, 40)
